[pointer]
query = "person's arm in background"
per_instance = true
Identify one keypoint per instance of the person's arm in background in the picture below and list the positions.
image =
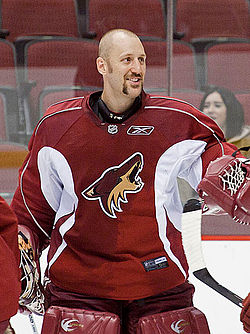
(10, 286)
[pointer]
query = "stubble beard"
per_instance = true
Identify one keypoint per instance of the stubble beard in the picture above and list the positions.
(125, 88)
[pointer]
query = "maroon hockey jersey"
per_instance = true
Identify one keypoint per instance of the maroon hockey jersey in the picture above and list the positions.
(106, 195)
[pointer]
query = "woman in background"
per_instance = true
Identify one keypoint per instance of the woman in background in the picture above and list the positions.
(223, 107)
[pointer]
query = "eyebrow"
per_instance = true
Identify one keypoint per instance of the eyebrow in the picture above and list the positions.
(214, 102)
(131, 54)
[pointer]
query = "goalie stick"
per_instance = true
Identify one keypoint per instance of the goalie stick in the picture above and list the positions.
(33, 324)
(191, 239)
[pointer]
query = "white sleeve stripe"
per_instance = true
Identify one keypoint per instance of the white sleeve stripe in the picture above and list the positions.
(174, 99)
(189, 114)
(26, 205)
(50, 115)
(183, 112)
(66, 100)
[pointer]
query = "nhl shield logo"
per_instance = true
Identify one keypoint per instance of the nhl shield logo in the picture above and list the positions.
(112, 129)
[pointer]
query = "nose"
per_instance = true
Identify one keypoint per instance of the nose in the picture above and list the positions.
(209, 109)
(136, 66)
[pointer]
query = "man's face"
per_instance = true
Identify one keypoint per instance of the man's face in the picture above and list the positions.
(126, 67)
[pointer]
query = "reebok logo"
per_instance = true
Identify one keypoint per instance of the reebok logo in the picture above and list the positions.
(140, 130)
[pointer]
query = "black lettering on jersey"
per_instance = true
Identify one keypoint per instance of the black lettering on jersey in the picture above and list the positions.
(114, 183)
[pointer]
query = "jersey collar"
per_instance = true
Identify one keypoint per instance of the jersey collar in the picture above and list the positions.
(98, 106)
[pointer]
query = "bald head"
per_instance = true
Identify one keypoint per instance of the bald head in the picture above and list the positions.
(113, 38)
(122, 63)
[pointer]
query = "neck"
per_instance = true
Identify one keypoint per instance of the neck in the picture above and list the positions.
(117, 105)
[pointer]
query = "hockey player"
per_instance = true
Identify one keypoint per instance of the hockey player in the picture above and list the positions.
(9, 278)
(100, 187)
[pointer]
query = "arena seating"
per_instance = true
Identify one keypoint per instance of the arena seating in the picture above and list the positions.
(145, 18)
(228, 64)
(49, 70)
(184, 67)
(43, 17)
(9, 116)
(7, 64)
(213, 19)
(58, 62)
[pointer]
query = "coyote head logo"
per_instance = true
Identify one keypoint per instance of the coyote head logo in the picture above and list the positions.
(114, 183)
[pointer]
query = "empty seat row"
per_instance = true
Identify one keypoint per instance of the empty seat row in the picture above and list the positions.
(80, 18)
(202, 19)
(221, 61)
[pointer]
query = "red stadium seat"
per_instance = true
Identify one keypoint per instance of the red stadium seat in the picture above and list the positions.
(59, 62)
(8, 91)
(43, 17)
(183, 69)
(212, 19)
(145, 18)
(7, 64)
(228, 64)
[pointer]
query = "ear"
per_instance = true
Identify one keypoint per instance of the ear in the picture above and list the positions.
(101, 65)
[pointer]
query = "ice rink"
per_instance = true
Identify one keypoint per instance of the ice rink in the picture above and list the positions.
(228, 262)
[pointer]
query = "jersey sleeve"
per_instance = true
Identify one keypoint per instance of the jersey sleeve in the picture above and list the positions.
(205, 129)
(38, 196)
(203, 141)
(29, 203)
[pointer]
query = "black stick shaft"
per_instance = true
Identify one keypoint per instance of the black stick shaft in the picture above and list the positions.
(204, 276)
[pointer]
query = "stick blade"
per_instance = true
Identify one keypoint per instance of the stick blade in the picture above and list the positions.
(204, 276)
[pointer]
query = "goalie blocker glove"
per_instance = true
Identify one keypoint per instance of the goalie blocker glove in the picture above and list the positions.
(227, 183)
(31, 296)
(245, 314)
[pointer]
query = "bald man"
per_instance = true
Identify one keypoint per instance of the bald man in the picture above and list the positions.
(106, 200)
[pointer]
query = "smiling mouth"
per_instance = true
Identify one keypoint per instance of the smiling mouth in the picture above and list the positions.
(134, 81)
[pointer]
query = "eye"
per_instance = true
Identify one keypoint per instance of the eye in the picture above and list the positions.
(127, 60)
(141, 60)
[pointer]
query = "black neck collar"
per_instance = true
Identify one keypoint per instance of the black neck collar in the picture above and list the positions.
(105, 115)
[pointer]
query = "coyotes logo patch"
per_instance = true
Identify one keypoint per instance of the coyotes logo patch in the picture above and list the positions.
(111, 187)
